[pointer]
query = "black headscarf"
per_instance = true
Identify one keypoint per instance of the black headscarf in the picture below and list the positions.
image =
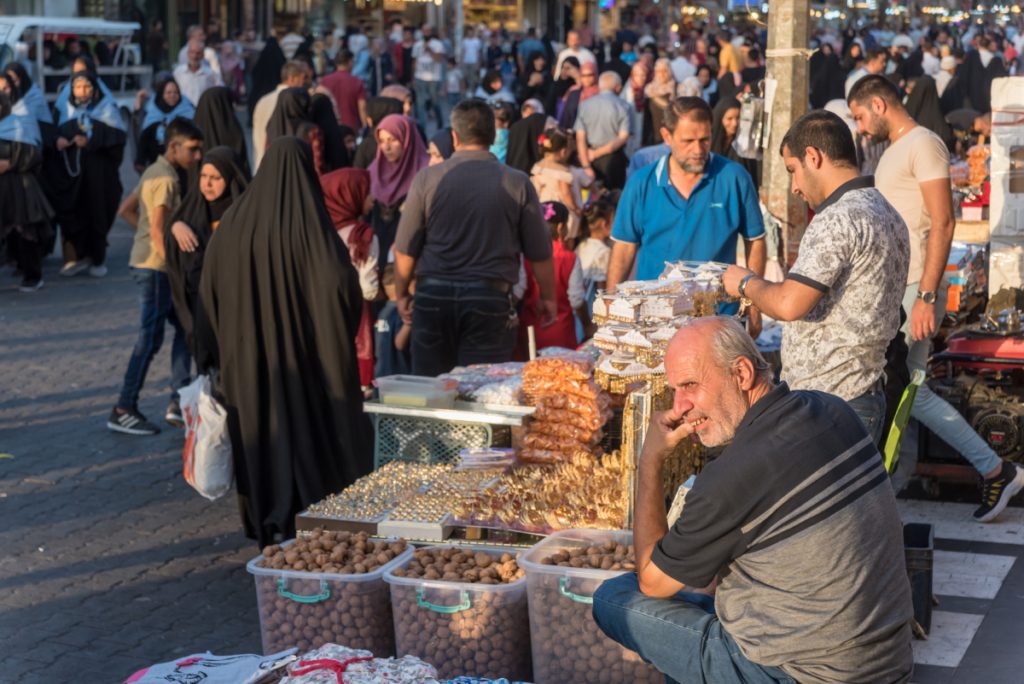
(523, 148)
(720, 143)
(322, 114)
(826, 77)
(24, 80)
(292, 110)
(444, 142)
(266, 73)
(376, 109)
(524, 91)
(922, 104)
(283, 300)
(185, 268)
(215, 116)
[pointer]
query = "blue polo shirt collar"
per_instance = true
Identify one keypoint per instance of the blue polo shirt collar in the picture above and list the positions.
(663, 180)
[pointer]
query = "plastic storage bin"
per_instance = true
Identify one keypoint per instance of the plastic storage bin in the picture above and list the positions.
(568, 646)
(417, 391)
(309, 609)
(460, 628)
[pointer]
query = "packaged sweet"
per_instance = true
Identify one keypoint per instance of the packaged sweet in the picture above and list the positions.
(332, 663)
(503, 393)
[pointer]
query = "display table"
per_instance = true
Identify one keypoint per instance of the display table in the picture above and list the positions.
(436, 435)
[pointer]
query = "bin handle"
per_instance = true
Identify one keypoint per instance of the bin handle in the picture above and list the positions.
(563, 586)
(463, 604)
(325, 593)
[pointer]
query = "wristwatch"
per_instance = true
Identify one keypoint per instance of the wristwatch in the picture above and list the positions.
(927, 297)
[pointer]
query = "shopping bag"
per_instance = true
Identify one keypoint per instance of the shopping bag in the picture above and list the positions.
(899, 423)
(207, 454)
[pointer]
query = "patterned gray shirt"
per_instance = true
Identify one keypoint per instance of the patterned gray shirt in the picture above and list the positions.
(857, 252)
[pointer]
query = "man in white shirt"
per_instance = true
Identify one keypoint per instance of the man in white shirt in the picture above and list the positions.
(196, 77)
(682, 67)
(574, 49)
(874, 63)
(913, 175)
(471, 47)
(209, 54)
(294, 74)
(428, 55)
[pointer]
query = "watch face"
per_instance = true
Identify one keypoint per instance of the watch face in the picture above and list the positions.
(927, 297)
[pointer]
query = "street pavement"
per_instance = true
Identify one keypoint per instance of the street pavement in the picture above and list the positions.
(109, 561)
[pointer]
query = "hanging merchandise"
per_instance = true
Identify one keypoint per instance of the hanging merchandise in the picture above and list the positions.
(749, 136)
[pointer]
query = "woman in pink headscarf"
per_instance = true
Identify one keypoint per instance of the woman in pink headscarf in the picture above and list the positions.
(400, 155)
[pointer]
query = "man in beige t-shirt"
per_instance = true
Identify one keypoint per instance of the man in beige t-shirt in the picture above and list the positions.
(913, 175)
(149, 209)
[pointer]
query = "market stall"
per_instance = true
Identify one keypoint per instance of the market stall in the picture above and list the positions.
(502, 496)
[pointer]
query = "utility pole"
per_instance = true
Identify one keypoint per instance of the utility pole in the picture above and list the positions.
(787, 66)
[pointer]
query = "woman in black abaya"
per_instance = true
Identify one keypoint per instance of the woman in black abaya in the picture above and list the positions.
(922, 104)
(90, 146)
(283, 304)
(321, 111)
(221, 180)
(266, 73)
(215, 116)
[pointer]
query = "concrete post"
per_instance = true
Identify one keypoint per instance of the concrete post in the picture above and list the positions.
(787, 65)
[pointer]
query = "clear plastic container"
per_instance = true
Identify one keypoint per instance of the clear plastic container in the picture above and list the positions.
(309, 609)
(462, 628)
(568, 646)
(417, 391)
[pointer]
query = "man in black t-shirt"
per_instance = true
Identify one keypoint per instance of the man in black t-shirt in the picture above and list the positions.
(793, 529)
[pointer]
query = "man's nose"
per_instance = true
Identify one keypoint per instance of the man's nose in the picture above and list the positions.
(680, 404)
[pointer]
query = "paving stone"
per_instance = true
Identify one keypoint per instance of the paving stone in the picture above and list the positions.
(128, 546)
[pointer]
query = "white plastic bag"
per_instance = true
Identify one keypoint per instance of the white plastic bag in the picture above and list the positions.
(207, 454)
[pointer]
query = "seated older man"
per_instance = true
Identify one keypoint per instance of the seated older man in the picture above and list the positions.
(793, 529)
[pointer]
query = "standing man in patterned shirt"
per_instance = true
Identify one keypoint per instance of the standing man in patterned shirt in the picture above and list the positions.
(841, 300)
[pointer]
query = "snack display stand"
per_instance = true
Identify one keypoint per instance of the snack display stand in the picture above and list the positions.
(458, 462)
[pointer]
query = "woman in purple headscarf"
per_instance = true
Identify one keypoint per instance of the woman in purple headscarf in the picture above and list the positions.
(400, 155)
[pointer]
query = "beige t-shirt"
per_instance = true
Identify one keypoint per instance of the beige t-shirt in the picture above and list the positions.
(158, 187)
(918, 157)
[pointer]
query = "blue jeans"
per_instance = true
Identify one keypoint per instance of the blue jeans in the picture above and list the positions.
(156, 311)
(680, 636)
(934, 412)
(456, 324)
(870, 408)
(429, 98)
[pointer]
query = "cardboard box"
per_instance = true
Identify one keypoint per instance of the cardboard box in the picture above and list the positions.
(1006, 170)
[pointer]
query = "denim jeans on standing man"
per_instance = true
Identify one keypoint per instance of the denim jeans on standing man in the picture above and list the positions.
(156, 311)
(681, 636)
(933, 411)
(456, 324)
(870, 408)
(429, 98)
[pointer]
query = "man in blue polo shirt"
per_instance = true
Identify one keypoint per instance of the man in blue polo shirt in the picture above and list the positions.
(690, 205)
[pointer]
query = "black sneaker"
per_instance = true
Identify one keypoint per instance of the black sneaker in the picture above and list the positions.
(998, 491)
(173, 415)
(130, 423)
(30, 285)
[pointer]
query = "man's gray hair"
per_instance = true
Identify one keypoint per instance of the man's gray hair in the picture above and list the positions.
(731, 342)
(533, 103)
(609, 81)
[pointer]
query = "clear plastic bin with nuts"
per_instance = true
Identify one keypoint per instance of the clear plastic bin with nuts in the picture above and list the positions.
(568, 646)
(463, 610)
(348, 605)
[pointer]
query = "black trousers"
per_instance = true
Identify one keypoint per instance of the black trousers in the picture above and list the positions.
(456, 324)
(28, 255)
(611, 169)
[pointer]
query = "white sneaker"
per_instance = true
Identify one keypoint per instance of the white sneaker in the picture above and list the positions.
(98, 271)
(30, 285)
(73, 268)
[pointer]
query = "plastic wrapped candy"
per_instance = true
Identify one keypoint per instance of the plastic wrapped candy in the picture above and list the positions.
(331, 664)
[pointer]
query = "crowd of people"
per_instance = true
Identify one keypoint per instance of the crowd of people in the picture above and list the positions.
(402, 207)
